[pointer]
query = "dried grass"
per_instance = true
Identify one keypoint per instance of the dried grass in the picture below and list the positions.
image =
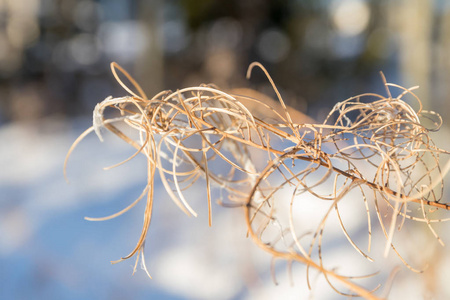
(267, 161)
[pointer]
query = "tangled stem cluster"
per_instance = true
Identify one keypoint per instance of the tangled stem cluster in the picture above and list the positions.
(371, 146)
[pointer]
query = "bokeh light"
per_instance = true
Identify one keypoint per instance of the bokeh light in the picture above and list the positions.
(85, 48)
(124, 41)
(273, 45)
(350, 17)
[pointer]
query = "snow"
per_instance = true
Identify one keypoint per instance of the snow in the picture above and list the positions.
(48, 251)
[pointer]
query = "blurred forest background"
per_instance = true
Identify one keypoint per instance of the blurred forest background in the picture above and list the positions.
(54, 68)
(55, 55)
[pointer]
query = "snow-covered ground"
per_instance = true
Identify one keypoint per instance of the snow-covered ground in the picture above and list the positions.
(48, 251)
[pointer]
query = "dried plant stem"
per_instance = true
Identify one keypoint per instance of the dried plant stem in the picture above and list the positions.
(204, 133)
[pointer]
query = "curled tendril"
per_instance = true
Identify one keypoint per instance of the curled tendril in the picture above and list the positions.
(369, 145)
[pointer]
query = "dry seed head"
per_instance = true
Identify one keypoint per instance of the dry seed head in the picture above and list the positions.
(371, 146)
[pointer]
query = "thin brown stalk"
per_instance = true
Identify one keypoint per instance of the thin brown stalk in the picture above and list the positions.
(202, 135)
